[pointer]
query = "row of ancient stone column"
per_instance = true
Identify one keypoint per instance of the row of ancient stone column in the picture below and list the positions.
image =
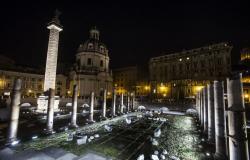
(15, 109)
(16, 99)
(224, 126)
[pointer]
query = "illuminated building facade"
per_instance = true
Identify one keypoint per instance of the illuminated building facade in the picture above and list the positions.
(180, 75)
(32, 83)
(131, 79)
(245, 55)
(246, 87)
(125, 79)
(245, 61)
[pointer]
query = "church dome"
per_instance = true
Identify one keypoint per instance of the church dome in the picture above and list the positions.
(93, 44)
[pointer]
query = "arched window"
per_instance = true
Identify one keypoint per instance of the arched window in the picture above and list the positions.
(89, 62)
(101, 63)
(90, 46)
(101, 48)
(78, 62)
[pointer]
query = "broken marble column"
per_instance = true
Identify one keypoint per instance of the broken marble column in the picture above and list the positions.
(197, 98)
(238, 143)
(91, 110)
(211, 123)
(200, 105)
(133, 102)
(201, 108)
(122, 105)
(220, 121)
(205, 111)
(113, 103)
(128, 102)
(104, 103)
(15, 108)
(74, 107)
(50, 110)
(196, 101)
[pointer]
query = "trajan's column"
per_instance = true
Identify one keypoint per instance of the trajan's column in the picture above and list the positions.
(51, 63)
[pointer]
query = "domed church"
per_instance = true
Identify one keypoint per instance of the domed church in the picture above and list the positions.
(92, 71)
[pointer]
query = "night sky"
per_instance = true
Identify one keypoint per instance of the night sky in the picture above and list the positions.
(132, 31)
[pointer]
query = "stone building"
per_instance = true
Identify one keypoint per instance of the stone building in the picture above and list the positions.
(32, 83)
(245, 63)
(245, 56)
(133, 79)
(180, 75)
(125, 79)
(91, 70)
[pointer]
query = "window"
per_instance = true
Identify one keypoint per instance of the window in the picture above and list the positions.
(78, 62)
(89, 61)
(180, 67)
(39, 86)
(90, 45)
(101, 63)
(187, 66)
(245, 91)
(228, 60)
(219, 61)
(195, 65)
(173, 68)
(59, 83)
(101, 48)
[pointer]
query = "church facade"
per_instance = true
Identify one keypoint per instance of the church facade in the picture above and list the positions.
(91, 70)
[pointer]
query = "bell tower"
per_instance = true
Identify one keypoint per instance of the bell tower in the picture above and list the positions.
(94, 33)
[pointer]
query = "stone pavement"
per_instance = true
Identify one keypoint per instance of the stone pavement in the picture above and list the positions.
(49, 153)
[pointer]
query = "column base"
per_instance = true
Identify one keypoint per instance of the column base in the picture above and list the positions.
(73, 126)
(12, 142)
(205, 133)
(48, 132)
(218, 156)
(103, 118)
(90, 121)
(42, 104)
(211, 141)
